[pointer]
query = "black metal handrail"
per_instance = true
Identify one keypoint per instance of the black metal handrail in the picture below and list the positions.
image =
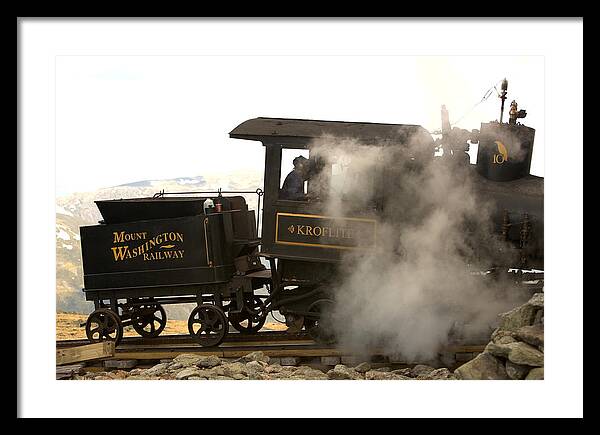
(259, 192)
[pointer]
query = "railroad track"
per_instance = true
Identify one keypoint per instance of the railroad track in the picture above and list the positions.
(185, 339)
(277, 344)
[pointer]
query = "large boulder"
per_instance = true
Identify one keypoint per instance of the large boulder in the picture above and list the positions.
(518, 317)
(524, 354)
(516, 371)
(533, 335)
(484, 366)
(537, 300)
(535, 374)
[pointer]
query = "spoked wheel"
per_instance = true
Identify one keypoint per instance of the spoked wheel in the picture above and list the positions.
(208, 325)
(242, 321)
(319, 327)
(104, 325)
(149, 320)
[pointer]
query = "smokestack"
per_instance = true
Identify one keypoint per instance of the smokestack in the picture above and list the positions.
(503, 93)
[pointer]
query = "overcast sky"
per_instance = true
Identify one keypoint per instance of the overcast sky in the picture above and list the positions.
(121, 119)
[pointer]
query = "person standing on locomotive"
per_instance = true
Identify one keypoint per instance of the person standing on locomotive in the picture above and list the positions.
(293, 185)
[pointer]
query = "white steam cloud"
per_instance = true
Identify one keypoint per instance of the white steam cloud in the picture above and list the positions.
(420, 285)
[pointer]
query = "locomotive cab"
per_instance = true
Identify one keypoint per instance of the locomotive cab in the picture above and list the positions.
(304, 239)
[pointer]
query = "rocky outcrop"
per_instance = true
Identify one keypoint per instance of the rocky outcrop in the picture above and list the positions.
(516, 349)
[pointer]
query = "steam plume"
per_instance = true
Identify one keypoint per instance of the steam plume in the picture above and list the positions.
(420, 284)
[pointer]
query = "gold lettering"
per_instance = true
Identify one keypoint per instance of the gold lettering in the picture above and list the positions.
(300, 230)
(118, 237)
(119, 252)
(320, 231)
(309, 230)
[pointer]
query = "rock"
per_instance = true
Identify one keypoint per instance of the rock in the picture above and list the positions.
(214, 372)
(139, 378)
(516, 371)
(208, 361)
(524, 354)
(340, 371)
(223, 378)
(421, 369)
(402, 372)
(185, 360)
(383, 369)
(239, 377)
(533, 335)
(254, 367)
(535, 374)
(136, 372)
(274, 368)
(102, 378)
(376, 375)
(518, 317)
(118, 374)
(157, 370)
(438, 374)
(187, 372)
(498, 334)
(290, 361)
(234, 368)
(539, 317)
(363, 367)
(483, 366)
(498, 350)
(255, 356)
(537, 300)
(304, 372)
(196, 378)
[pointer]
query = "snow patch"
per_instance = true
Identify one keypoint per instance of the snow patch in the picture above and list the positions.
(62, 210)
(62, 234)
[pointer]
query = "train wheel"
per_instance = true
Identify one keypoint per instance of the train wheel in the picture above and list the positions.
(104, 325)
(208, 325)
(149, 320)
(242, 321)
(318, 327)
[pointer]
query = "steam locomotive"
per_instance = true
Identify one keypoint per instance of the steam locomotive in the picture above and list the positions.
(204, 247)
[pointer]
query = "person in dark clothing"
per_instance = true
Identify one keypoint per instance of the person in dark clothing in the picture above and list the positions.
(293, 185)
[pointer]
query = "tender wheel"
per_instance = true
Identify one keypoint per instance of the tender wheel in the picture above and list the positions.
(104, 325)
(242, 321)
(319, 327)
(149, 320)
(208, 325)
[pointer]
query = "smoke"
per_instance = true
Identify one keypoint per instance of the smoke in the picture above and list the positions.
(420, 286)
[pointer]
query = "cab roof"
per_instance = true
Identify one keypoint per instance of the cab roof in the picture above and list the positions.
(269, 129)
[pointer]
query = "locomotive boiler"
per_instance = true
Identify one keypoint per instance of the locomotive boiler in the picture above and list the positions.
(179, 248)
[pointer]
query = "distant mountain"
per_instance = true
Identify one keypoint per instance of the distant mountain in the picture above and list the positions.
(78, 209)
